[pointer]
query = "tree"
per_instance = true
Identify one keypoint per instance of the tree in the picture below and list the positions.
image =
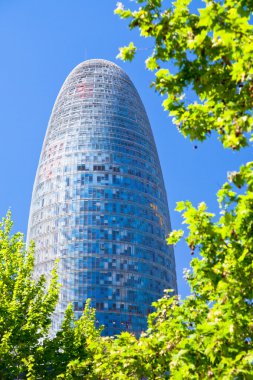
(26, 305)
(28, 349)
(208, 335)
(209, 53)
(69, 354)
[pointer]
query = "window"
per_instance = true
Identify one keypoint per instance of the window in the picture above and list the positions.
(99, 167)
(81, 167)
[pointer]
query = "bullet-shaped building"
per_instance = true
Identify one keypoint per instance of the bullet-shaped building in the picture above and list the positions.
(99, 203)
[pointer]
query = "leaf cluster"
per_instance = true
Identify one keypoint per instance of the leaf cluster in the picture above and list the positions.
(210, 53)
(26, 305)
(28, 347)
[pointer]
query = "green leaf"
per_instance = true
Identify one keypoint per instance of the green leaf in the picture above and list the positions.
(127, 53)
(175, 236)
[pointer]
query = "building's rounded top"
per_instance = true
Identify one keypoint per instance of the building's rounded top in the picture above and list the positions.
(98, 61)
(99, 65)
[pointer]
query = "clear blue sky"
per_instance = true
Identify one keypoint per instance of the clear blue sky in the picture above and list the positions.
(41, 42)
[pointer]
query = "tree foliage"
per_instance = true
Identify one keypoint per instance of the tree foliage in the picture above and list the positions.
(69, 354)
(211, 54)
(26, 305)
(207, 55)
(28, 349)
(210, 333)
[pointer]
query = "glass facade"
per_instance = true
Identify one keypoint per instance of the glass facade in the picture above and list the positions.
(99, 202)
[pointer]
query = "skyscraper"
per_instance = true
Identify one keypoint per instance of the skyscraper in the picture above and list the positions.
(99, 202)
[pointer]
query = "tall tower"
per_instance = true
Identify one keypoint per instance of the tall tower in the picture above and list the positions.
(99, 202)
